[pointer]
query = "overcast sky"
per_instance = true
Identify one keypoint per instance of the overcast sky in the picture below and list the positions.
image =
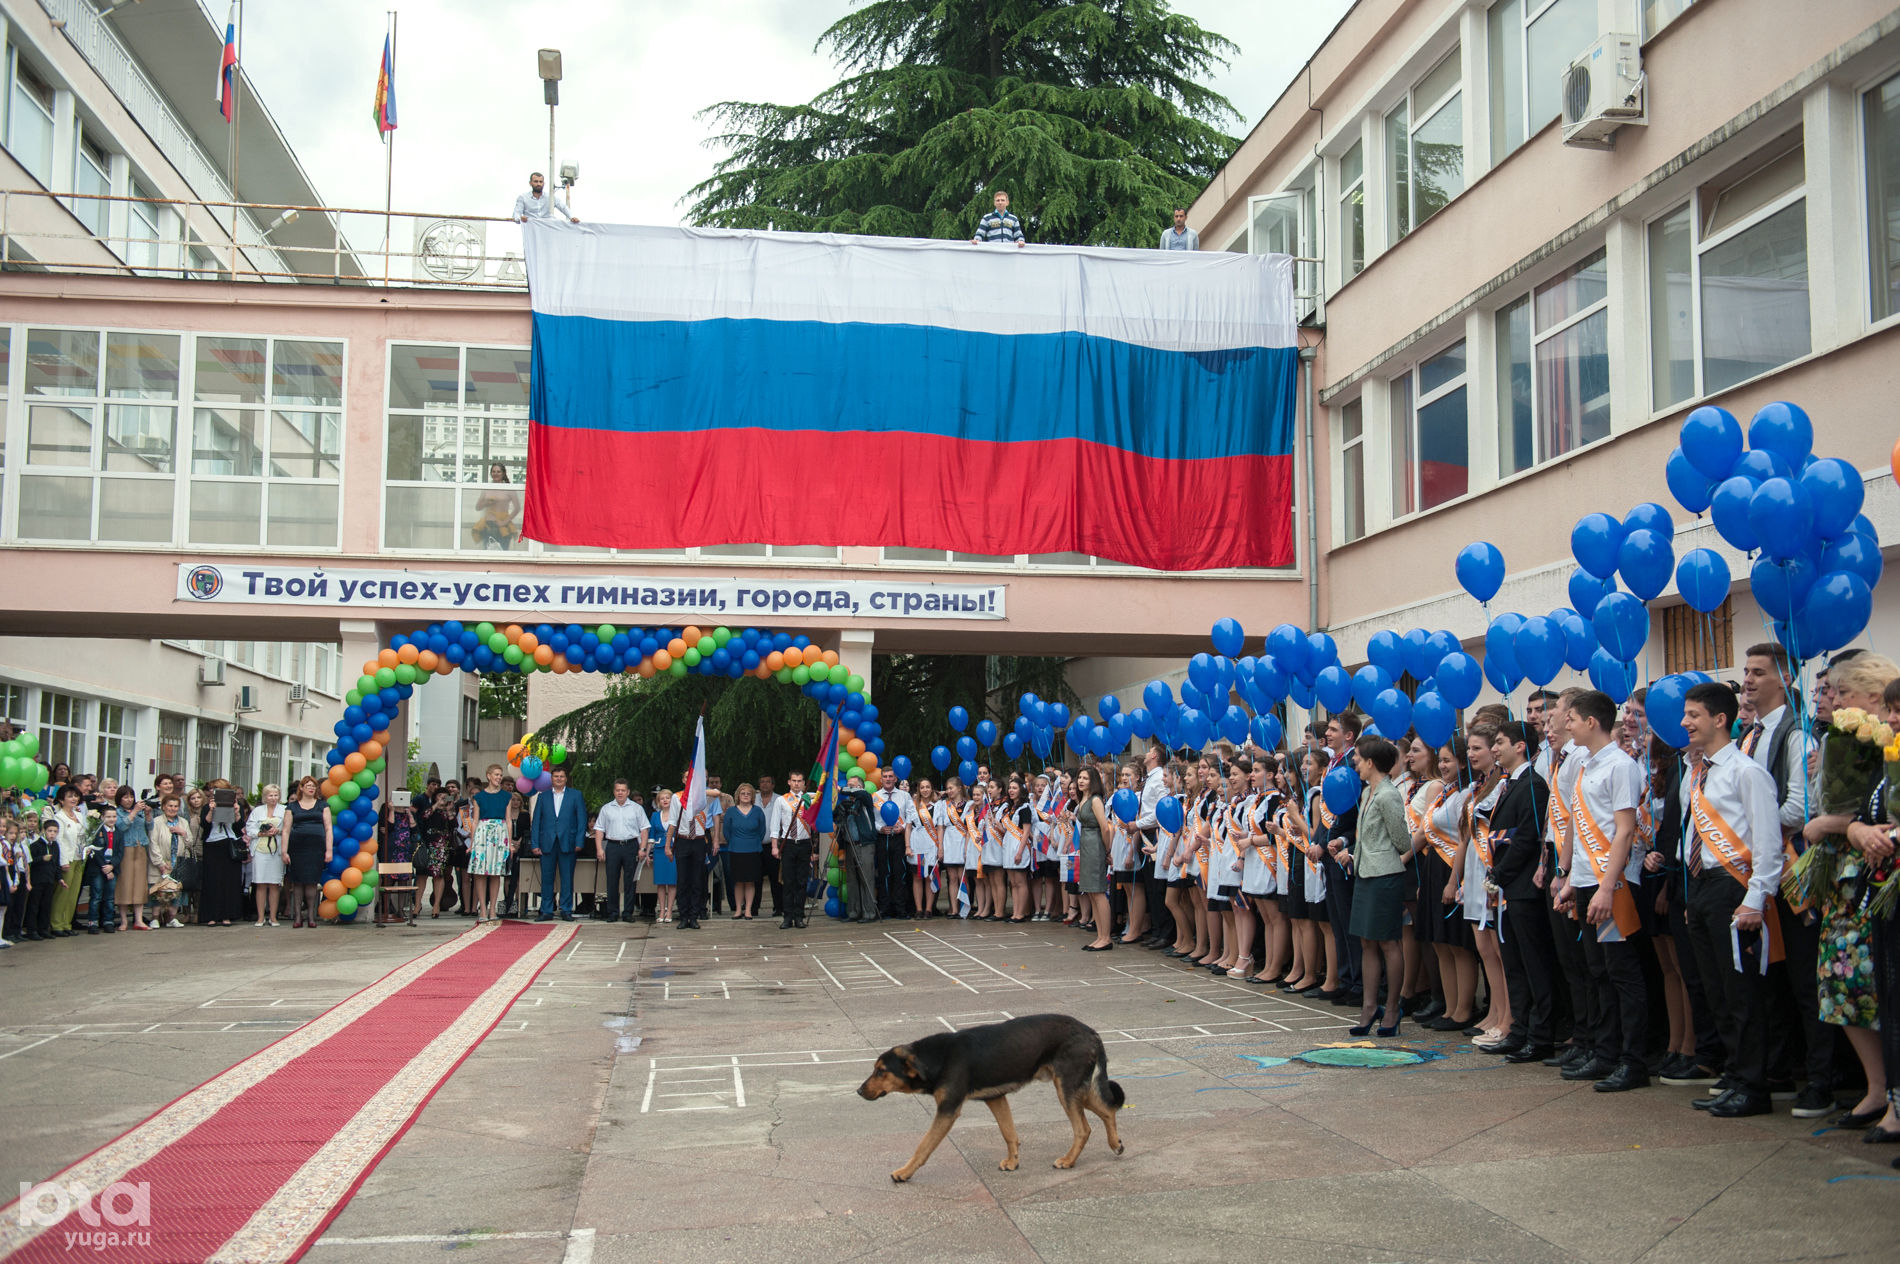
(637, 72)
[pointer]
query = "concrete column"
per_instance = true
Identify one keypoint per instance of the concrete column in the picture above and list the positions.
(1474, 39)
(1624, 257)
(854, 651)
(1837, 259)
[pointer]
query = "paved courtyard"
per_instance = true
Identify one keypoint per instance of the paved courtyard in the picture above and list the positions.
(660, 1095)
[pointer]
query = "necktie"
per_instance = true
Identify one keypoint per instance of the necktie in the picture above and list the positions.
(1695, 850)
(1751, 737)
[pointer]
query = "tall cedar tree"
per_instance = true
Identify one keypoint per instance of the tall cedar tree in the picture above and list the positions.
(1087, 111)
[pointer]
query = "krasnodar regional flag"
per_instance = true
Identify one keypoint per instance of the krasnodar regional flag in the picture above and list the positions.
(384, 109)
(227, 66)
(695, 790)
(703, 386)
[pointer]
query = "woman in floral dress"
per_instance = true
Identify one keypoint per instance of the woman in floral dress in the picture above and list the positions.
(432, 849)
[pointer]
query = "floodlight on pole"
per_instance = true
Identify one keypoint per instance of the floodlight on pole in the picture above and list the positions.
(548, 65)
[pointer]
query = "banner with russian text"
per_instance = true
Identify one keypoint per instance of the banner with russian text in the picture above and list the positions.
(703, 386)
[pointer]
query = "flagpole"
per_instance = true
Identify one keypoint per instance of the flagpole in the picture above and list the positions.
(237, 96)
(389, 159)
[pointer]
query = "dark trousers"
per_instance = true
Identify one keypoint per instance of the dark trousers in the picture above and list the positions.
(775, 880)
(622, 863)
(1799, 1043)
(863, 880)
(689, 859)
(11, 927)
(1622, 1001)
(553, 864)
(1530, 969)
(1159, 918)
(1339, 917)
(38, 917)
(792, 877)
(892, 889)
(1576, 1011)
(102, 910)
(1737, 995)
(1709, 1049)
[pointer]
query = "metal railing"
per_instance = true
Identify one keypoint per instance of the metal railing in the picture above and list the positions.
(441, 249)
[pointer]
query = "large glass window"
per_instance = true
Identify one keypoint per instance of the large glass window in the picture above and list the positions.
(115, 741)
(1431, 455)
(1554, 367)
(1425, 147)
(1352, 210)
(1283, 224)
(63, 731)
(1352, 469)
(142, 240)
(30, 120)
(457, 415)
(266, 442)
(244, 760)
(1728, 279)
(1660, 13)
(208, 752)
(172, 731)
(92, 181)
(271, 769)
(1532, 43)
(1882, 127)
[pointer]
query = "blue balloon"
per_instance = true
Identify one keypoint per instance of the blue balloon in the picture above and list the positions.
(1158, 696)
(1321, 652)
(1110, 706)
(1838, 607)
(1058, 715)
(1168, 814)
(966, 747)
(1269, 681)
(1690, 486)
(1780, 588)
(1595, 542)
(940, 758)
(1580, 642)
(1611, 676)
(1042, 741)
(1027, 703)
(1501, 672)
(1480, 569)
(1300, 694)
(1288, 646)
(1586, 590)
(1782, 515)
(1126, 805)
(888, 812)
(1341, 788)
(1649, 516)
(1195, 728)
(1439, 644)
(1228, 637)
(1334, 688)
(1729, 508)
(1202, 673)
(1702, 578)
(959, 719)
(966, 772)
(1392, 712)
(1141, 723)
(1012, 746)
(986, 732)
(1855, 553)
(1233, 725)
(1711, 438)
(1384, 649)
(1434, 718)
(1539, 646)
(1835, 490)
(1759, 466)
(1368, 683)
(901, 766)
(1622, 625)
(1663, 706)
(1118, 731)
(1646, 560)
(1266, 732)
(1022, 726)
(1500, 642)
(1414, 650)
(1459, 679)
(1783, 429)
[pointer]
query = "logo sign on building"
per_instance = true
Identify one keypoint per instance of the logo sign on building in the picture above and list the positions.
(450, 249)
(482, 593)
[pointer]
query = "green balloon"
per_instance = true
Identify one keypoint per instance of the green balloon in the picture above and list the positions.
(854, 773)
(801, 675)
(721, 636)
(846, 762)
(369, 881)
(839, 673)
(348, 791)
(854, 683)
(692, 656)
(9, 770)
(385, 677)
(511, 655)
(558, 754)
(366, 684)
(706, 645)
(406, 673)
(606, 631)
(365, 779)
(40, 773)
(353, 697)
(345, 904)
(678, 667)
(29, 744)
(496, 642)
(337, 802)
(379, 765)
(784, 675)
(484, 630)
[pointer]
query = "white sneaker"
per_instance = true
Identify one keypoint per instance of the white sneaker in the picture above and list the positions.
(6, 943)
(174, 924)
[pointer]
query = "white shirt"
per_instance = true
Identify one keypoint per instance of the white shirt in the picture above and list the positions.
(1610, 782)
(1153, 790)
(1764, 748)
(621, 822)
(785, 822)
(528, 206)
(557, 801)
(1743, 794)
(904, 810)
(1569, 760)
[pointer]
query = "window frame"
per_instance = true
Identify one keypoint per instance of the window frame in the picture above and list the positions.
(1416, 117)
(48, 111)
(1348, 189)
(1540, 457)
(1308, 278)
(1529, 11)
(1346, 447)
(1863, 96)
(1406, 387)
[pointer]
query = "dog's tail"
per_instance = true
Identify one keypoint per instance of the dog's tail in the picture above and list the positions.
(1106, 1089)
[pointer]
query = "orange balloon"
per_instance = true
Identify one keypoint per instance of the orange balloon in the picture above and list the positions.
(327, 909)
(443, 667)
(512, 632)
(363, 862)
(662, 659)
(371, 750)
(763, 672)
(327, 789)
(646, 668)
(370, 667)
(408, 654)
(351, 878)
(514, 753)
(544, 655)
(427, 660)
(774, 661)
(382, 737)
(333, 888)
(1895, 462)
(528, 642)
(829, 658)
(855, 746)
(867, 761)
(367, 849)
(354, 762)
(560, 666)
(676, 647)
(387, 659)
(692, 635)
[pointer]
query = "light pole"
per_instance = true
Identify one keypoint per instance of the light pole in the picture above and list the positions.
(550, 69)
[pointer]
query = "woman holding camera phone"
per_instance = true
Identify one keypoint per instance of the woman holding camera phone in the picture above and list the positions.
(221, 898)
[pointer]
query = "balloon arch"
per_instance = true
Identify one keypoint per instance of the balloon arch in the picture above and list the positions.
(361, 752)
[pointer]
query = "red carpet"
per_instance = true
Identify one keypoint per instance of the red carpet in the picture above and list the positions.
(254, 1163)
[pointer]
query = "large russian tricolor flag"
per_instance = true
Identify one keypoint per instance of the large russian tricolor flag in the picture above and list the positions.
(702, 386)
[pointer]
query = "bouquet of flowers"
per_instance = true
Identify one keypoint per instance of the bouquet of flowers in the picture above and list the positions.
(1880, 879)
(1853, 754)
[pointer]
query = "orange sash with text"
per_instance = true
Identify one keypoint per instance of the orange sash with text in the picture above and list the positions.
(1714, 830)
(1596, 849)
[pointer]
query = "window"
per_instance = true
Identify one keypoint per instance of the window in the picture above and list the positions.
(1532, 43)
(1697, 642)
(115, 742)
(1352, 211)
(13, 705)
(1431, 442)
(1660, 13)
(244, 760)
(92, 181)
(1425, 148)
(1352, 469)
(471, 719)
(63, 731)
(266, 442)
(457, 415)
(142, 231)
(1882, 126)
(171, 743)
(1285, 224)
(271, 771)
(208, 763)
(1728, 279)
(30, 120)
(1554, 368)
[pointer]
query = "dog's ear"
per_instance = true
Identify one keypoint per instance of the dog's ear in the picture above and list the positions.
(906, 1059)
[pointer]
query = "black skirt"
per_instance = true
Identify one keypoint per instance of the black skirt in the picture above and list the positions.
(1378, 906)
(1431, 920)
(744, 866)
(220, 884)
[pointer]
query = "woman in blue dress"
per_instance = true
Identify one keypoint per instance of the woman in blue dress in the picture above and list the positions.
(665, 871)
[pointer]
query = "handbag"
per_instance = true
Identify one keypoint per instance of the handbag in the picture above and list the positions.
(187, 871)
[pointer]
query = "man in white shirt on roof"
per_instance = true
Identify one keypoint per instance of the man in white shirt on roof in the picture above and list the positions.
(539, 203)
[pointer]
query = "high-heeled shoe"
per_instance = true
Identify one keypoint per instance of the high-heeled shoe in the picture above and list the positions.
(1386, 1033)
(1240, 969)
(1363, 1029)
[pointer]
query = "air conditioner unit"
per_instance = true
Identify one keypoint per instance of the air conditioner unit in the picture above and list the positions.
(300, 692)
(211, 670)
(246, 699)
(1603, 90)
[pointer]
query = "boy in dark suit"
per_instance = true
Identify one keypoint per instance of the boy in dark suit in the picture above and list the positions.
(1530, 954)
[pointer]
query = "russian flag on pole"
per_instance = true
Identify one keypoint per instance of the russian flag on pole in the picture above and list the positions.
(227, 66)
(704, 386)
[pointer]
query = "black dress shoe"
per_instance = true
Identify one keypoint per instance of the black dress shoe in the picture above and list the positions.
(1444, 1022)
(1877, 1135)
(1503, 1049)
(1849, 1120)
(545, 917)
(1742, 1103)
(1687, 1072)
(1626, 1077)
(786, 924)
(1355, 1000)
(1710, 1103)
(1592, 1069)
(1528, 1053)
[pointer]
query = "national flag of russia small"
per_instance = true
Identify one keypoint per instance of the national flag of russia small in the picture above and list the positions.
(227, 67)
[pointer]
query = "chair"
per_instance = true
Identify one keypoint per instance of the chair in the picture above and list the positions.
(395, 877)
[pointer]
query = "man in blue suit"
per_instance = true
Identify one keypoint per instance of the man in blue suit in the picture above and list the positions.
(555, 833)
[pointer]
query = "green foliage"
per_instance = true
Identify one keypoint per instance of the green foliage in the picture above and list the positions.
(416, 773)
(504, 696)
(1089, 112)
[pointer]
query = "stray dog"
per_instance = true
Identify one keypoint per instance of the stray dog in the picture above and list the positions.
(987, 1064)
